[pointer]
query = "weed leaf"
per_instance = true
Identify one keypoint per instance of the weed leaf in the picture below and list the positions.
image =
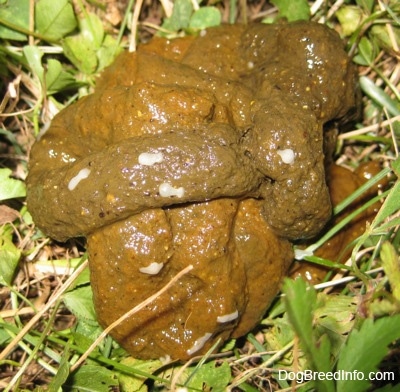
(205, 17)
(180, 17)
(211, 377)
(379, 96)
(293, 9)
(62, 373)
(390, 206)
(81, 53)
(107, 52)
(350, 18)
(364, 350)
(381, 35)
(9, 257)
(34, 56)
(54, 19)
(300, 301)
(334, 317)
(92, 30)
(80, 302)
(131, 382)
(366, 50)
(391, 265)
(367, 5)
(16, 11)
(57, 79)
(92, 378)
(10, 188)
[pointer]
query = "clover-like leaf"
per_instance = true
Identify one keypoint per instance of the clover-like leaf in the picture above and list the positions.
(205, 17)
(54, 19)
(9, 256)
(14, 15)
(10, 188)
(293, 9)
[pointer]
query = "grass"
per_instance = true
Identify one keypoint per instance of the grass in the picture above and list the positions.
(49, 336)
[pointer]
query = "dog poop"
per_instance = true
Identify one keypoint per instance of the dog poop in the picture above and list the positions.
(207, 151)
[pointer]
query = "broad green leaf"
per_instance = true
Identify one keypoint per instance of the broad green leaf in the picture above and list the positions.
(211, 377)
(80, 302)
(92, 30)
(15, 12)
(391, 265)
(90, 378)
(379, 96)
(365, 349)
(57, 79)
(83, 279)
(279, 335)
(349, 18)
(293, 9)
(380, 33)
(34, 56)
(26, 216)
(107, 52)
(54, 78)
(62, 374)
(135, 383)
(300, 302)
(10, 188)
(180, 17)
(54, 19)
(205, 17)
(334, 317)
(9, 257)
(85, 334)
(336, 312)
(81, 53)
(366, 50)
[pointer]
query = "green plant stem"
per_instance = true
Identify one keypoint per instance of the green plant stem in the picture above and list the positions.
(22, 30)
(36, 349)
(27, 349)
(94, 356)
(202, 361)
(37, 316)
(232, 11)
(326, 263)
(12, 330)
(362, 28)
(344, 222)
(124, 22)
(350, 199)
